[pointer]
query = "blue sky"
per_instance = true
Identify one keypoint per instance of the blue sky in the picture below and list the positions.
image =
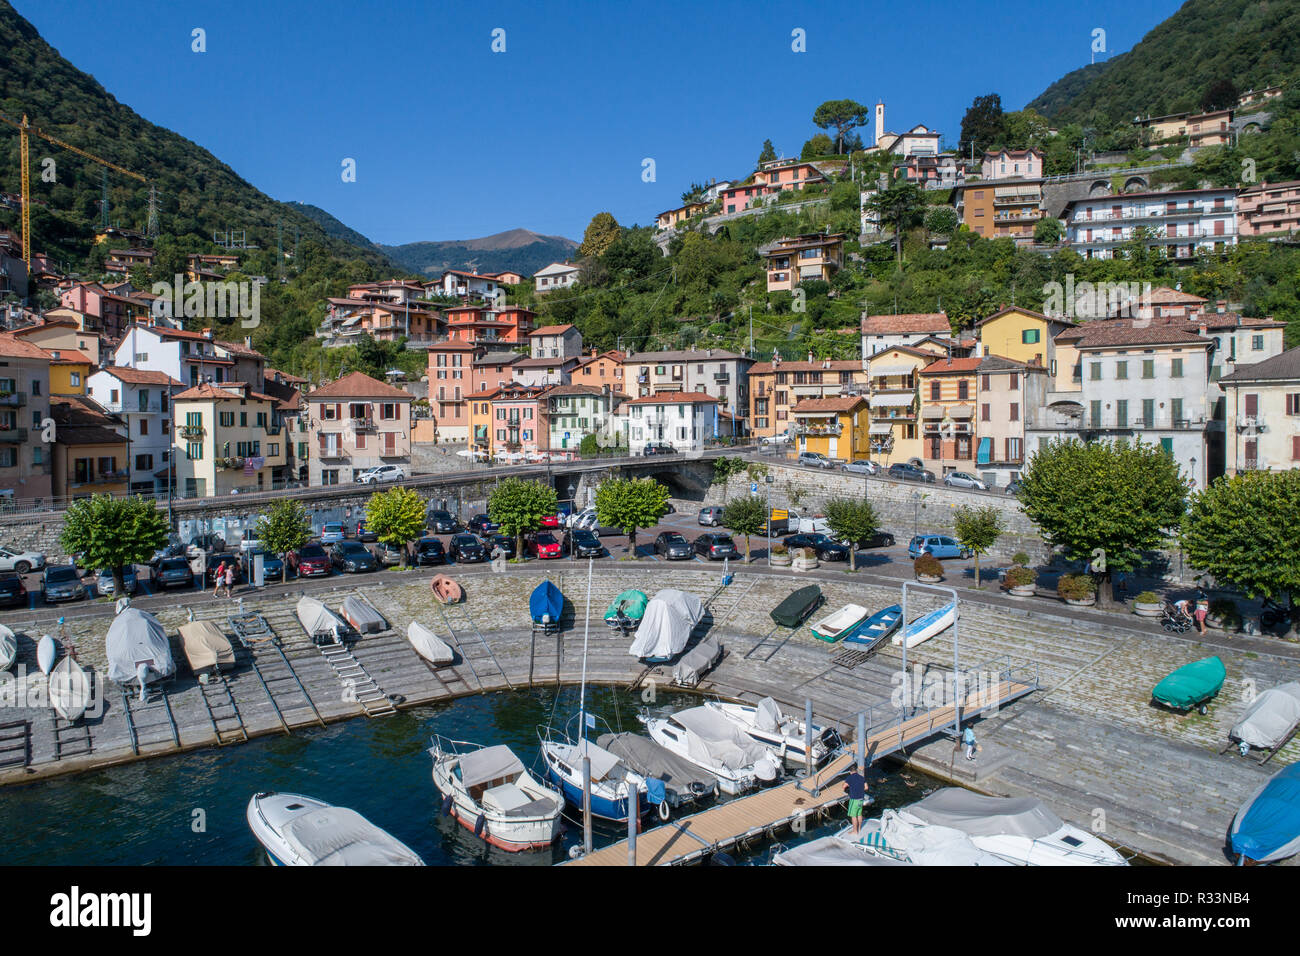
(454, 141)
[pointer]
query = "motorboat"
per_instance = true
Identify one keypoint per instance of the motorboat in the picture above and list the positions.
(322, 625)
(138, 650)
(362, 615)
(1020, 830)
(1270, 721)
(794, 610)
(709, 740)
(612, 781)
(626, 611)
(47, 652)
(8, 648)
(841, 624)
(877, 628)
(781, 732)
(445, 590)
(893, 837)
(70, 689)
(489, 792)
(1192, 685)
(831, 851)
(927, 625)
(207, 649)
(683, 782)
(698, 661)
(545, 605)
(429, 645)
(670, 618)
(1267, 827)
(300, 831)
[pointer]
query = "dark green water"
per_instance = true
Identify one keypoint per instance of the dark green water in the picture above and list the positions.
(189, 809)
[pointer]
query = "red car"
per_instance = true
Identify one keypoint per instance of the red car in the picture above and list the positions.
(551, 521)
(545, 545)
(313, 561)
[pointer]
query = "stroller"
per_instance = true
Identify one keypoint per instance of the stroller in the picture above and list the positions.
(1177, 617)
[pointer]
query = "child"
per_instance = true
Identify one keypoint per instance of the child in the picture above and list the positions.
(968, 740)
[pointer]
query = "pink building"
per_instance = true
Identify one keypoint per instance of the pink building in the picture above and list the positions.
(1267, 208)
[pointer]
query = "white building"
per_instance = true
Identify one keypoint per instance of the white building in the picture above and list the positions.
(1182, 223)
(454, 282)
(557, 275)
(722, 375)
(143, 400)
(683, 420)
(189, 357)
(880, 332)
(575, 411)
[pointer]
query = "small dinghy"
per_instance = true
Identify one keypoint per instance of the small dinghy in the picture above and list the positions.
(489, 792)
(299, 831)
(138, 650)
(1193, 685)
(626, 611)
(670, 618)
(784, 734)
(362, 616)
(322, 625)
(429, 645)
(794, 610)
(877, 628)
(841, 624)
(445, 590)
(927, 625)
(8, 648)
(544, 606)
(47, 652)
(1267, 827)
(70, 689)
(697, 662)
(207, 649)
(1270, 721)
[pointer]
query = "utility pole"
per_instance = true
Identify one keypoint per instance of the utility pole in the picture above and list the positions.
(151, 224)
(751, 332)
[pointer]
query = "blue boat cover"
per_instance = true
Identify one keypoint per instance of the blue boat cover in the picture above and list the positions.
(546, 599)
(655, 791)
(1267, 828)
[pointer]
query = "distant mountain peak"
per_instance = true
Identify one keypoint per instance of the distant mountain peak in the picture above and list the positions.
(515, 250)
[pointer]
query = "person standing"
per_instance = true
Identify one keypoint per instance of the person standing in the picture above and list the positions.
(968, 741)
(219, 579)
(1202, 609)
(856, 786)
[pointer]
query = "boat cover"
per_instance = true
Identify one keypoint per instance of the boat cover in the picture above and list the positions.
(631, 602)
(767, 715)
(649, 759)
(830, 851)
(1267, 827)
(315, 618)
(603, 763)
(932, 845)
(792, 611)
(1271, 718)
(364, 618)
(697, 662)
(1192, 684)
(488, 764)
(136, 637)
(205, 646)
(715, 739)
(8, 647)
(336, 836)
(667, 624)
(429, 645)
(546, 601)
(977, 815)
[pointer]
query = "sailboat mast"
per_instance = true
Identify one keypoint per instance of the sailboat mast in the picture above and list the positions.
(582, 694)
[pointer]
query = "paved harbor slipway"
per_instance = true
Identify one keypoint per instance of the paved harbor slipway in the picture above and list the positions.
(1089, 742)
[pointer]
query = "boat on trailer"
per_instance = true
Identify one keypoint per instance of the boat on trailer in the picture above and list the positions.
(207, 649)
(138, 650)
(301, 831)
(670, 619)
(489, 792)
(545, 605)
(1270, 722)
(927, 625)
(784, 734)
(840, 625)
(794, 610)
(626, 611)
(877, 628)
(1193, 685)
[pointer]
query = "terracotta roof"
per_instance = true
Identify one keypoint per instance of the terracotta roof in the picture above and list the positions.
(945, 366)
(452, 345)
(559, 390)
(719, 355)
(1280, 367)
(557, 362)
(207, 390)
(836, 365)
(13, 347)
(1029, 312)
(674, 398)
(239, 348)
(551, 330)
(1126, 335)
(612, 354)
(272, 372)
(838, 403)
(468, 275)
(907, 323)
(1164, 295)
(87, 435)
(359, 385)
(498, 358)
(909, 349)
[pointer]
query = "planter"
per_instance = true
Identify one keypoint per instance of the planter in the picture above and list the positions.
(781, 560)
(1081, 602)
(929, 578)
(1023, 591)
(804, 564)
(1147, 610)
(1214, 623)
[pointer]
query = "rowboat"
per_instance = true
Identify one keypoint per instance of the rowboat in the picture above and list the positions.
(299, 831)
(928, 625)
(47, 652)
(445, 590)
(69, 689)
(8, 648)
(838, 626)
(362, 616)
(876, 628)
(544, 605)
(429, 645)
(795, 609)
(1192, 685)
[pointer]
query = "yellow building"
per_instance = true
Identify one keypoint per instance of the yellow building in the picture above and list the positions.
(790, 261)
(228, 438)
(1021, 335)
(90, 455)
(62, 331)
(836, 427)
(895, 430)
(480, 420)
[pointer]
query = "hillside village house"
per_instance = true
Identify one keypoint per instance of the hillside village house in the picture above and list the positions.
(1180, 224)
(835, 427)
(895, 419)
(108, 313)
(683, 420)
(554, 351)
(505, 278)
(348, 319)
(776, 387)
(489, 326)
(880, 332)
(791, 261)
(1001, 208)
(189, 357)
(356, 423)
(948, 392)
(672, 218)
(1162, 302)
(1196, 129)
(1269, 209)
(89, 450)
(460, 284)
(599, 369)
(142, 399)
(1012, 164)
(492, 370)
(715, 372)
(1007, 391)
(518, 420)
(228, 438)
(450, 383)
(287, 391)
(25, 459)
(558, 275)
(1263, 415)
(575, 411)
(60, 332)
(1021, 335)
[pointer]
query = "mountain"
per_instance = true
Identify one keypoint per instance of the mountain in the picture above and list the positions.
(518, 250)
(332, 226)
(1251, 43)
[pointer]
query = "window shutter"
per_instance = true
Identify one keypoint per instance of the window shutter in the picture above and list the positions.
(1295, 447)
(1252, 405)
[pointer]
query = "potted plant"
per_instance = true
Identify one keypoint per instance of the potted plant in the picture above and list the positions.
(928, 569)
(780, 556)
(1147, 604)
(1019, 581)
(1077, 589)
(1223, 615)
(803, 559)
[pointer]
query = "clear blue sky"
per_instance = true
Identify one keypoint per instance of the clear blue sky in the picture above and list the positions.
(453, 141)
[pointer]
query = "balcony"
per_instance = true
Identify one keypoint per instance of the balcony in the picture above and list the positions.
(363, 424)
(722, 377)
(1112, 423)
(103, 478)
(193, 431)
(332, 453)
(135, 408)
(1251, 424)
(230, 464)
(13, 399)
(806, 428)
(13, 436)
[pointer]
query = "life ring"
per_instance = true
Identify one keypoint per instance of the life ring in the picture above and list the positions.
(663, 810)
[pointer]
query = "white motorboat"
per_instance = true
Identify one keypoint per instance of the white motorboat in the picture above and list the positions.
(322, 625)
(300, 831)
(612, 781)
(1020, 830)
(47, 652)
(429, 645)
(708, 739)
(831, 851)
(70, 689)
(490, 792)
(892, 837)
(138, 649)
(781, 732)
(8, 648)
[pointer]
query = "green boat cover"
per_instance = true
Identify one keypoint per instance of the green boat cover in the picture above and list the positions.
(792, 611)
(632, 603)
(1191, 685)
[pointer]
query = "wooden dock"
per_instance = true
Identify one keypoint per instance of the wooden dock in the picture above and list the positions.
(777, 808)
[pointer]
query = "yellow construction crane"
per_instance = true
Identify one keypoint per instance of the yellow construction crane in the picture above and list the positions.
(24, 128)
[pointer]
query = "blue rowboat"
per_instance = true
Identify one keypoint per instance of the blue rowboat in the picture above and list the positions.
(1267, 827)
(545, 604)
(928, 625)
(875, 629)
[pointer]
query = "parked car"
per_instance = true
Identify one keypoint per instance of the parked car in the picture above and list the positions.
(175, 550)
(673, 546)
(908, 472)
(659, 449)
(351, 557)
(481, 524)
(822, 544)
(960, 479)
(551, 521)
(389, 555)
(710, 516)
(781, 439)
(61, 582)
(814, 459)
(864, 466)
(587, 520)
(104, 584)
(21, 561)
(429, 551)
(502, 541)
(1013, 488)
(249, 543)
(313, 561)
(715, 546)
(173, 572)
(205, 544)
(939, 545)
(465, 548)
(365, 534)
(332, 532)
(380, 473)
(881, 539)
(582, 544)
(13, 593)
(544, 545)
(441, 522)
(272, 566)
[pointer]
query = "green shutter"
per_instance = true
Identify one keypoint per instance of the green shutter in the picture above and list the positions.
(1167, 446)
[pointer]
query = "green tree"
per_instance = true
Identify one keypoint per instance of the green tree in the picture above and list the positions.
(1219, 95)
(1104, 502)
(899, 206)
(396, 516)
(724, 468)
(1048, 231)
(1243, 530)
(977, 529)
(114, 532)
(768, 153)
(982, 126)
(519, 506)
(631, 504)
(843, 115)
(819, 145)
(745, 515)
(602, 232)
(589, 445)
(284, 528)
(851, 520)
(941, 220)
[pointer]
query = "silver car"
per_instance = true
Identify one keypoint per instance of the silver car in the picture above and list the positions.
(960, 479)
(104, 585)
(863, 467)
(813, 459)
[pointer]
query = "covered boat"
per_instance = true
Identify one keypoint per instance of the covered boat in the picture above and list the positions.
(666, 627)
(8, 648)
(841, 624)
(206, 648)
(322, 625)
(545, 605)
(1193, 685)
(794, 610)
(429, 645)
(612, 781)
(697, 662)
(626, 610)
(927, 625)
(70, 690)
(47, 652)
(708, 739)
(362, 615)
(890, 837)
(1267, 827)
(831, 851)
(299, 831)
(683, 782)
(445, 590)
(784, 734)
(138, 649)
(877, 628)
(1271, 720)
(490, 793)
